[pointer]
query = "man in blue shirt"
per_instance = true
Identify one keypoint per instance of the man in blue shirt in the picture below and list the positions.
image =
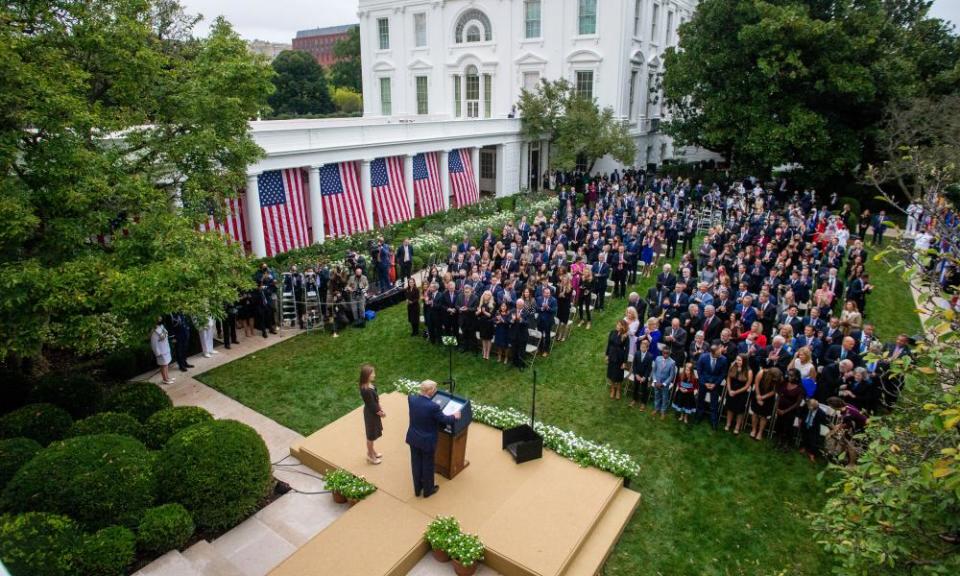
(426, 417)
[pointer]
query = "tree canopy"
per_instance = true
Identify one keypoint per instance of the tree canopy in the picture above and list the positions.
(578, 128)
(112, 114)
(301, 85)
(767, 82)
(347, 73)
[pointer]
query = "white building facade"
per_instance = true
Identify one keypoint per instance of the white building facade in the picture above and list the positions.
(444, 75)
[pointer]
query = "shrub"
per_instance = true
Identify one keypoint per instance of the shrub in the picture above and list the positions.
(97, 480)
(108, 552)
(138, 399)
(167, 422)
(128, 363)
(41, 422)
(78, 394)
(164, 528)
(218, 470)
(467, 549)
(39, 544)
(441, 531)
(14, 453)
(15, 390)
(107, 423)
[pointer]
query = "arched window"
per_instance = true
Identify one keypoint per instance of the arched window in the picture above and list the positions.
(473, 92)
(473, 26)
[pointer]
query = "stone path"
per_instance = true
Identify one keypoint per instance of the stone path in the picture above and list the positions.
(261, 542)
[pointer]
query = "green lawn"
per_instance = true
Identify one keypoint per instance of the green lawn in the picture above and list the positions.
(712, 503)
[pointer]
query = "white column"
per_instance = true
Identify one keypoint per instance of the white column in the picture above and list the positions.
(544, 159)
(408, 183)
(482, 110)
(475, 160)
(254, 221)
(501, 171)
(365, 191)
(445, 177)
(316, 205)
(524, 166)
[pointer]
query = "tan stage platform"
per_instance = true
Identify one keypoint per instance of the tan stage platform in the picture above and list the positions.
(548, 517)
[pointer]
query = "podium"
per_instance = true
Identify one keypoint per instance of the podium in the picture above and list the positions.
(450, 457)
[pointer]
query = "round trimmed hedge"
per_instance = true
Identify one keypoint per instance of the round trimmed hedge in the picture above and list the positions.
(14, 453)
(97, 480)
(108, 552)
(164, 528)
(138, 399)
(218, 470)
(167, 422)
(39, 544)
(78, 394)
(41, 422)
(107, 423)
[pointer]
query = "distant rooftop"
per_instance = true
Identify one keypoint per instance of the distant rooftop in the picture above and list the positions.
(325, 31)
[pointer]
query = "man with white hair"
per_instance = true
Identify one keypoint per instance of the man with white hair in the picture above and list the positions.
(426, 417)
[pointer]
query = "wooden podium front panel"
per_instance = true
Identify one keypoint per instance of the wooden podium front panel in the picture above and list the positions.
(450, 458)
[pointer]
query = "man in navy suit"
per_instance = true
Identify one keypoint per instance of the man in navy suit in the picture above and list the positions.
(405, 257)
(546, 312)
(712, 369)
(425, 420)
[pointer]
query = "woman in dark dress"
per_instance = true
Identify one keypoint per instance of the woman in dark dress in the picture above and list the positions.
(413, 306)
(372, 413)
(738, 389)
(246, 312)
(564, 302)
(788, 403)
(501, 333)
(485, 311)
(617, 345)
(765, 387)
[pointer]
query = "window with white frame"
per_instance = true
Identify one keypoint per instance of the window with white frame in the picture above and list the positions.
(473, 92)
(383, 33)
(587, 17)
(584, 84)
(531, 19)
(386, 98)
(654, 16)
(634, 75)
(488, 165)
(422, 98)
(420, 30)
(487, 95)
(669, 40)
(530, 81)
(473, 26)
(637, 21)
(457, 91)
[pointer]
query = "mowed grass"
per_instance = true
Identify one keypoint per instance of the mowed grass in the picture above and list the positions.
(712, 503)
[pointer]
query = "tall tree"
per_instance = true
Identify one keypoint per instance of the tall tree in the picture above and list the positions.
(766, 82)
(578, 128)
(111, 114)
(347, 73)
(301, 85)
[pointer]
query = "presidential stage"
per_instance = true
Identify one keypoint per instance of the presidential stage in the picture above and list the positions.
(543, 517)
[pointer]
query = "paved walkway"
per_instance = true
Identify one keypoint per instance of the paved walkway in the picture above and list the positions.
(261, 542)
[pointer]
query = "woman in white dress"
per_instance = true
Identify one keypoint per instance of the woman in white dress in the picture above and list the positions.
(803, 362)
(206, 338)
(160, 344)
(633, 326)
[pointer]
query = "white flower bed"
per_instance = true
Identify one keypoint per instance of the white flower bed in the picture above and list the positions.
(565, 443)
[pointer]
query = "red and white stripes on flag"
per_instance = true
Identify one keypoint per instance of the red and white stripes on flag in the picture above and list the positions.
(388, 191)
(234, 224)
(427, 189)
(462, 183)
(283, 210)
(343, 212)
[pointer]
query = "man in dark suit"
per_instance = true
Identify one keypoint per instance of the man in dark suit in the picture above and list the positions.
(405, 257)
(546, 312)
(711, 325)
(642, 367)
(601, 272)
(180, 327)
(383, 265)
(846, 350)
(666, 279)
(425, 420)
(712, 369)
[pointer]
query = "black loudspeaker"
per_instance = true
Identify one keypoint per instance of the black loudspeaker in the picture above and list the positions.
(523, 443)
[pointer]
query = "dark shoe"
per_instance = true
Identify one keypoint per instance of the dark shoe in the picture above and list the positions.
(183, 368)
(429, 494)
(416, 493)
(236, 341)
(190, 366)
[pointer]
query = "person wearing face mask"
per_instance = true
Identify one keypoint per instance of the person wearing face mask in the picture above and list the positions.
(357, 288)
(160, 344)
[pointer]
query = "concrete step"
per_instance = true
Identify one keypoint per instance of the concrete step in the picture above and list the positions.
(206, 560)
(598, 545)
(253, 547)
(170, 564)
(299, 517)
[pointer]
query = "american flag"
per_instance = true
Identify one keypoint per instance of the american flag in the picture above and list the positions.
(234, 224)
(283, 210)
(463, 185)
(388, 191)
(343, 212)
(426, 184)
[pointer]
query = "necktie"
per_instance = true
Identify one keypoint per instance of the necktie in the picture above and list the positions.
(713, 363)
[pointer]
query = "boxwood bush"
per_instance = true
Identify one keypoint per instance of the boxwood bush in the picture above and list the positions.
(14, 453)
(138, 399)
(107, 423)
(97, 480)
(218, 470)
(167, 422)
(39, 544)
(108, 552)
(78, 394)
(164, 528)
(41, 422)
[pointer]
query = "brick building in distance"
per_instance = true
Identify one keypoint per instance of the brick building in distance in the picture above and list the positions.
(320, 42)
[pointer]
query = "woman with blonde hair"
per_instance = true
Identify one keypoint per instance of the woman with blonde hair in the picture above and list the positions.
(485, 311)
(803, 363)
(850, 317)
(372, 412)
(616, 356)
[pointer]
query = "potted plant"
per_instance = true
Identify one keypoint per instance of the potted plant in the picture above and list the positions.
(440, 534)
(466, 550)
(334, 482)
(356, 489)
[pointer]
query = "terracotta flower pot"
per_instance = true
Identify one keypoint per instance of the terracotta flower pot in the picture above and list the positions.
(338, 497)
(462, 570)
(351, 502)
(440, 555)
